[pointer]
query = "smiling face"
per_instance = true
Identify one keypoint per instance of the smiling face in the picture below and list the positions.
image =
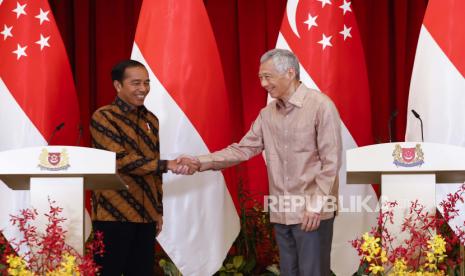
(278, 85)
(134, 86)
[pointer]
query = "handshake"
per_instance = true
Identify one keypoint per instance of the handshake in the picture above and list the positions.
(184, 164)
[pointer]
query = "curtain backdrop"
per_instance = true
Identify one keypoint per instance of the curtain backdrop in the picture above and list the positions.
(98, 34)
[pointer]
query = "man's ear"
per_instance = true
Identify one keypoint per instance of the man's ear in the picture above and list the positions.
(117, 85)
(291, 73)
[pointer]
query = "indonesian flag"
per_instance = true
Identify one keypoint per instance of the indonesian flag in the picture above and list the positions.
(325, 37)
(175, 41)
(437, 88)
(37, 91)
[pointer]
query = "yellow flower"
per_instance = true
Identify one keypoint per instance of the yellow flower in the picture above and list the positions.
(431, 266)
(437, 244)
(435, 255)
(400, 266)
(17, 266)
(67, 267)
(383, 256)
(375, 268)
(430, 258)
(370, 244)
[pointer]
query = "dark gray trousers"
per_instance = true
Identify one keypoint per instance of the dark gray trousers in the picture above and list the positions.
(305, 253)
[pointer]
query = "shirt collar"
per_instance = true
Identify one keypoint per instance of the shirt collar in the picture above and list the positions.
(297, 99)
(126, 108)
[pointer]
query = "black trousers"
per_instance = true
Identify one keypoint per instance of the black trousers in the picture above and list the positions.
(129, 248)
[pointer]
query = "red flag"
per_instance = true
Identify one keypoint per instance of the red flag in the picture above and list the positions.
(188, 94)
(324, 36)
(438, 84)
(37, 91)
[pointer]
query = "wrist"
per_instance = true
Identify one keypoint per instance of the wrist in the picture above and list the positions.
(171, 165)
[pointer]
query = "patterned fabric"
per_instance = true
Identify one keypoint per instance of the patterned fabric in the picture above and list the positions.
(132, 133)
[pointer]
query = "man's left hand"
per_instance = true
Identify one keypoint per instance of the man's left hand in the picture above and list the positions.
(310, 221)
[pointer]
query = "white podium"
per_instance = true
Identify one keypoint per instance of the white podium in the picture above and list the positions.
(406, 171)
(60, 173)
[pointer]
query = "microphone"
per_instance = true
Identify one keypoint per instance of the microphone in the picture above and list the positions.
(57, 128)
(79, 135)
(421, 123)
(391, 119)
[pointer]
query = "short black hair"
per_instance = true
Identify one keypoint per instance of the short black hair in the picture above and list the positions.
(117, 72)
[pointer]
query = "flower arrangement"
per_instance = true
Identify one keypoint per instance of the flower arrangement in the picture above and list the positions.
(431, 247)
(48, 254)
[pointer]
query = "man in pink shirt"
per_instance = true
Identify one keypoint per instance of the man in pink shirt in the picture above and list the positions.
(300, 132)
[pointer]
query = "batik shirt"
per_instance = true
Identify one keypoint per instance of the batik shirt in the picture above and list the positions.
(132, 133)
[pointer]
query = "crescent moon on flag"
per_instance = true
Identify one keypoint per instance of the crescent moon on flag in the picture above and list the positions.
(291, 11)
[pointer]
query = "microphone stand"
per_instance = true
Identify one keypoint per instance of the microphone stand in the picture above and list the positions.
(421, 123)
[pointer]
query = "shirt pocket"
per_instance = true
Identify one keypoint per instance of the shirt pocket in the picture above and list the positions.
(304, 138)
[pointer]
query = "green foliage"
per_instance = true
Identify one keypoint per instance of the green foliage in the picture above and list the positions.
(255, 241)
(169, 269)
(237, 265)
(361, 269)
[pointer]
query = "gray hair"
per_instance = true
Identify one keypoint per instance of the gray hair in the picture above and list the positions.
(283, 60)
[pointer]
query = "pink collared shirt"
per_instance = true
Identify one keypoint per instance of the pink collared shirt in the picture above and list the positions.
(302, 143)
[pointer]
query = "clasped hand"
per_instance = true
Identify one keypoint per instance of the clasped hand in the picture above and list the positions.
(184, 164)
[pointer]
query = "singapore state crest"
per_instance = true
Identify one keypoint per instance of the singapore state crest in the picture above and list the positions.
(408, 157)
(54, 161)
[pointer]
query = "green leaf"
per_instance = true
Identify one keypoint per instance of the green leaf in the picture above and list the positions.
(361, 269)
(273, 269)
(238, 261)
(249, 265)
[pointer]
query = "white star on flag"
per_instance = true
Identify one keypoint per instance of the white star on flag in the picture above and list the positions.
(20, 52)
(43, 41)
(346, 32)
(311, 21)
(43, 16)
(345, 7)
(326, 41)
(324, 2)
(19, 10)
(6, 32)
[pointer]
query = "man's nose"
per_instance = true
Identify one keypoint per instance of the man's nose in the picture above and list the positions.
(144, 87)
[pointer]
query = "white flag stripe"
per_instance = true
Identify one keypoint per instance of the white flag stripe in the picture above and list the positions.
(188, 200)
(437, 94)
(347, 226)
(13, 123)
(21, 133)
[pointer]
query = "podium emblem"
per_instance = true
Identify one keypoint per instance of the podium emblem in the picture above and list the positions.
(408, 157)
(54, 161)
